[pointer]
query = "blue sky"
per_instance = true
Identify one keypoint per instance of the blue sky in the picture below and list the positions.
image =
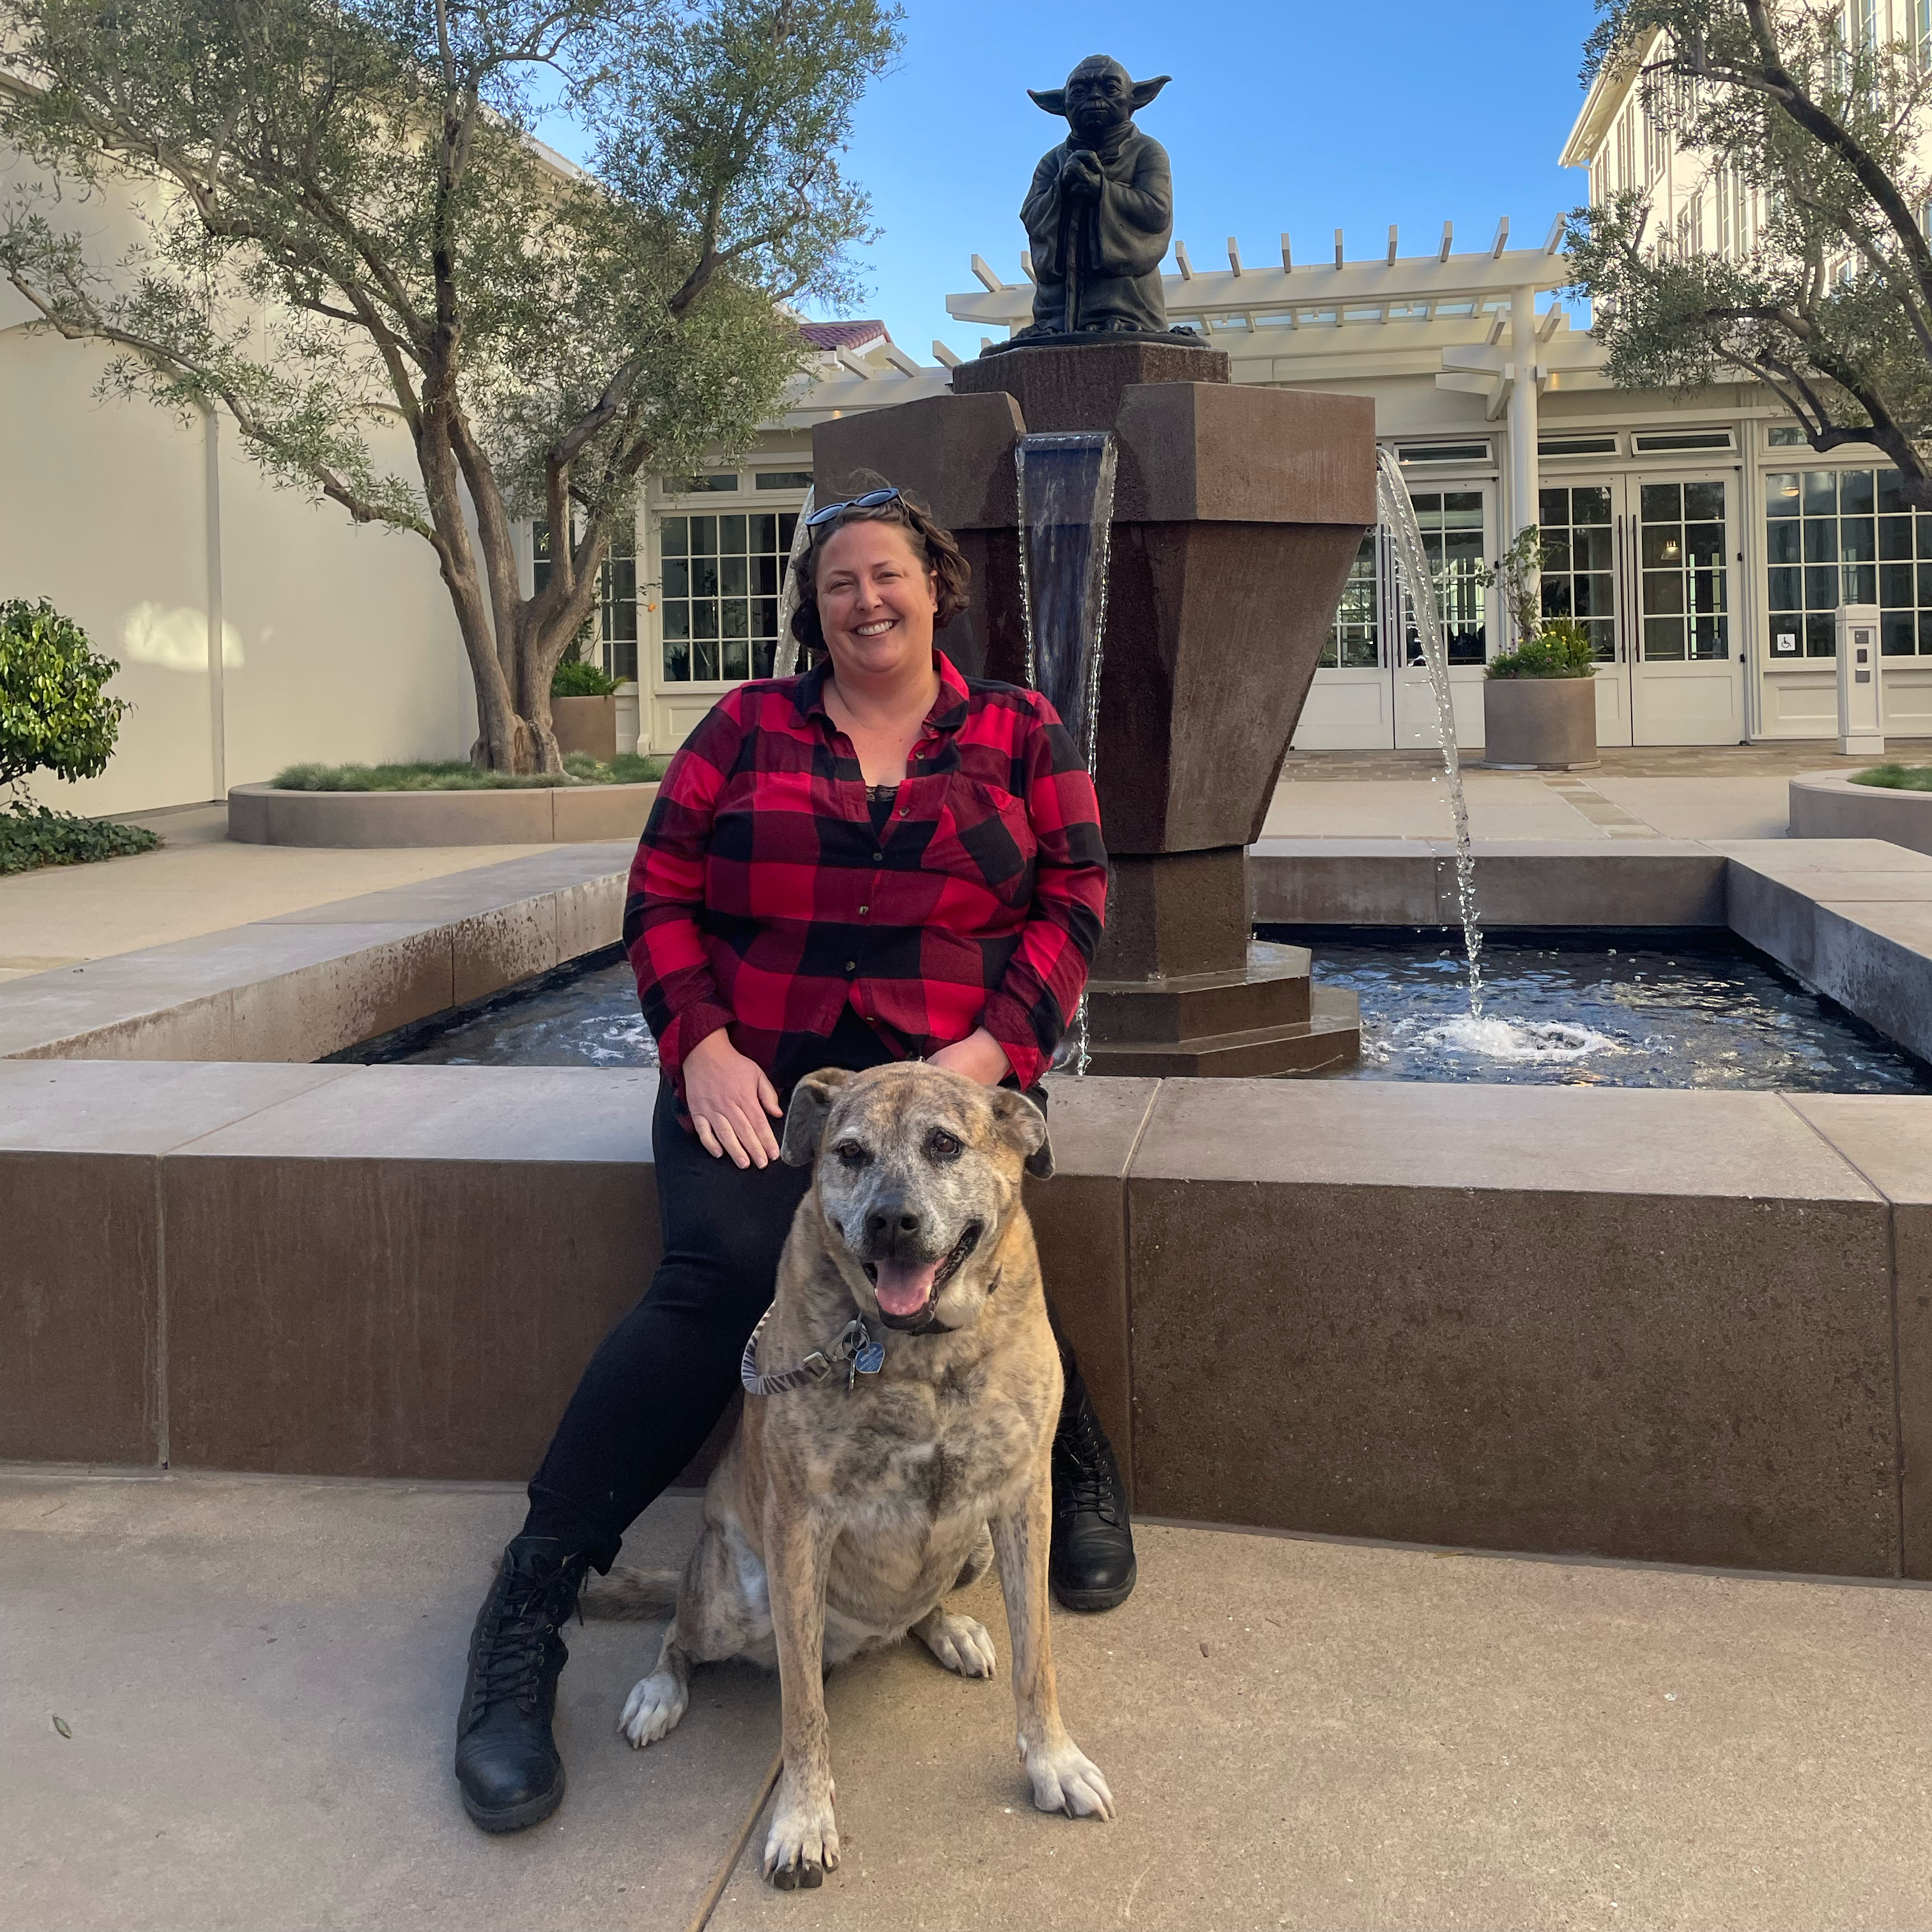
(1304, 115)
(1292, 115)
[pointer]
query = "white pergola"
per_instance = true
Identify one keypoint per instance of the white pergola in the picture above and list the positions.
(1468, 319)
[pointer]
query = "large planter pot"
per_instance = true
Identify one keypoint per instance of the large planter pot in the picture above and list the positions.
(1539, 724)
(585, 724)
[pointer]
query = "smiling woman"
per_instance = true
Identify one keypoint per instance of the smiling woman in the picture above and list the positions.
(875, 862)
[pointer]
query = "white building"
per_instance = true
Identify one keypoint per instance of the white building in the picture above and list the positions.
(1703, 543)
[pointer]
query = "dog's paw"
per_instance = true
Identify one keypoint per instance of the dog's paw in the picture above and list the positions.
(1065, 1779)
(803, 1845)
(653, 1708)
(960, 1643)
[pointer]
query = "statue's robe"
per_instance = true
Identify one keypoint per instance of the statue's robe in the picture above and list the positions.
(1114, 243)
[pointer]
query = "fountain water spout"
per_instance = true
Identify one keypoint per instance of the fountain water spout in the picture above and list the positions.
(1066, 514)
(1418, 583)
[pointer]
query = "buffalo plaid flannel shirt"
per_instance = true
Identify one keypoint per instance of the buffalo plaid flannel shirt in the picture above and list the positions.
(761, 898)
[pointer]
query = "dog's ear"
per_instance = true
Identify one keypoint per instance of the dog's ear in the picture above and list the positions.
(805, 1118)
(1025, 1125)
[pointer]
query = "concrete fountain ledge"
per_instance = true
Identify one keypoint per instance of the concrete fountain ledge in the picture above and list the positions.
(1687, 1327)
(1684, 1326)
(260, 814)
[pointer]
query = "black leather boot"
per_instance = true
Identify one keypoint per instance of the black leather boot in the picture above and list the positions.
(1093, 1566)
(506, 1759)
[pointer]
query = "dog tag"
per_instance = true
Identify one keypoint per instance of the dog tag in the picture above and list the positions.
(871, 1359)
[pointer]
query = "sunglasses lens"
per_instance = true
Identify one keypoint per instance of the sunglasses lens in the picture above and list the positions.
(871, 500)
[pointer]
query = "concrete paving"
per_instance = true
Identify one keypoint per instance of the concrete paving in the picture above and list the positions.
(199, 882)
(258, 1676)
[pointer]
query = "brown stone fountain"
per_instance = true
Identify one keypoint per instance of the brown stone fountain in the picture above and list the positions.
(1236, 513)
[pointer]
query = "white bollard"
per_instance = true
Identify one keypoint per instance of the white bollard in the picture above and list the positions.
(1861, 728)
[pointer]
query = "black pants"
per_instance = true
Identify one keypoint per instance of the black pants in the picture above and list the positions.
(661, 1378)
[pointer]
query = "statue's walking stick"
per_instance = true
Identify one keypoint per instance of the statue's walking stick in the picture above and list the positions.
(1073, 214)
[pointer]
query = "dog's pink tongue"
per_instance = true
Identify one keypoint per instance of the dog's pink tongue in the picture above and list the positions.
(903, 1286)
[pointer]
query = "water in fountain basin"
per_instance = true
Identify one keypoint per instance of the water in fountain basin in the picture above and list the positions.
(1067, 513)
(1418, 583)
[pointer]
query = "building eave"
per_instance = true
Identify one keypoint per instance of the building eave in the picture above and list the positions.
(1601, 106)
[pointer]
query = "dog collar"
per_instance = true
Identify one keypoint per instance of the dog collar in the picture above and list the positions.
(855, 1352)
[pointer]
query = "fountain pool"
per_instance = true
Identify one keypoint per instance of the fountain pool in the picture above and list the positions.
(1583, 1009)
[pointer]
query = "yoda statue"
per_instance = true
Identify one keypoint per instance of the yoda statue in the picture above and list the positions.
(1100, 212)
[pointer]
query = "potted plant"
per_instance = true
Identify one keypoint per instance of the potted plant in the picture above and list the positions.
(1539, 703)
(583, 710)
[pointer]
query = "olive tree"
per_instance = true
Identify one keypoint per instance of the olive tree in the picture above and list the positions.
(345, 222)
(1831, 308)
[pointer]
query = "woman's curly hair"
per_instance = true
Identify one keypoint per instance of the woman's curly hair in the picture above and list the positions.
(952, 575)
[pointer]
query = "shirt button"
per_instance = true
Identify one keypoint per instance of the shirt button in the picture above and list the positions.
(877, 857)
(851, 965)
(863, 910)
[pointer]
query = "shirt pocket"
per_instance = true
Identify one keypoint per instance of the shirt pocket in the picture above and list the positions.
(985, 836)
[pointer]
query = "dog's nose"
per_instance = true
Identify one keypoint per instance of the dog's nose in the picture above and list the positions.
(891, 1220)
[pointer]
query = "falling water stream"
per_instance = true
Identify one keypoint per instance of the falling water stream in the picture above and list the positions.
(1492, 1039)
(1418, 582)
(1067, 515)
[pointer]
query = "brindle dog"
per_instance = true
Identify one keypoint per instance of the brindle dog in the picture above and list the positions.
(847, 1508)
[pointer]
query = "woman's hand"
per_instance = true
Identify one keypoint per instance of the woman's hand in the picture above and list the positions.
(979, 1056)
(728, 1097)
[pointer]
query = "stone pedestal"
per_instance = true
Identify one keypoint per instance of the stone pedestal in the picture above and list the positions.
(1237, 514)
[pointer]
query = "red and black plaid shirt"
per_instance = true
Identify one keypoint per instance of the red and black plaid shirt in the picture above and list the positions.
(762, 900)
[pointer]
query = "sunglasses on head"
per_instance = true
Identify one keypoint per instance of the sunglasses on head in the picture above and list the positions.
(871, 500)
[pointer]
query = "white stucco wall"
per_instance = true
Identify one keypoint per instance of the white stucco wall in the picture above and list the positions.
(339, 642)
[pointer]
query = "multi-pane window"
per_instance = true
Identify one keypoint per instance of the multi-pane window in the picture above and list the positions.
(720, 599)
(617, 605)
(1453, 535)
(616, 595)
(1353, 642)
(1682, 537)
(1846, 536)
(1579, 561)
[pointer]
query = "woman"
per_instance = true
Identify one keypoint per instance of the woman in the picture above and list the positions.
(873, 861)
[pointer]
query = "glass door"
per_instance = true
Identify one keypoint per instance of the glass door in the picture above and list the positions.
(1455, 522)
(1350, 706)
(1687, 682)
(1583, 539)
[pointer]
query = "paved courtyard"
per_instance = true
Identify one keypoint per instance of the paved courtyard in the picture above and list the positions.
(256, 1677)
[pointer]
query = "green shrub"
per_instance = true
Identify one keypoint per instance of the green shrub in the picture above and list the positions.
(1562, 649)
(31, 836)
(1896, 777)
(53, 717)
(456, 775)
(576, 678)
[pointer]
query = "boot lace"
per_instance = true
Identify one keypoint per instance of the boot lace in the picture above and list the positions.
(514, 1646)
(1088, 1484)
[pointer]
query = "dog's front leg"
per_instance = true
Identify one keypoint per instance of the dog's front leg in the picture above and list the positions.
(1063, 1778)
(803, 1844)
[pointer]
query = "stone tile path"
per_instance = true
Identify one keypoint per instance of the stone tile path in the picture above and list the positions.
(256, 1676)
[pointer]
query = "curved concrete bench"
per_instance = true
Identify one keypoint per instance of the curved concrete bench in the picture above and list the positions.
(259, 814)
(1827, 805)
